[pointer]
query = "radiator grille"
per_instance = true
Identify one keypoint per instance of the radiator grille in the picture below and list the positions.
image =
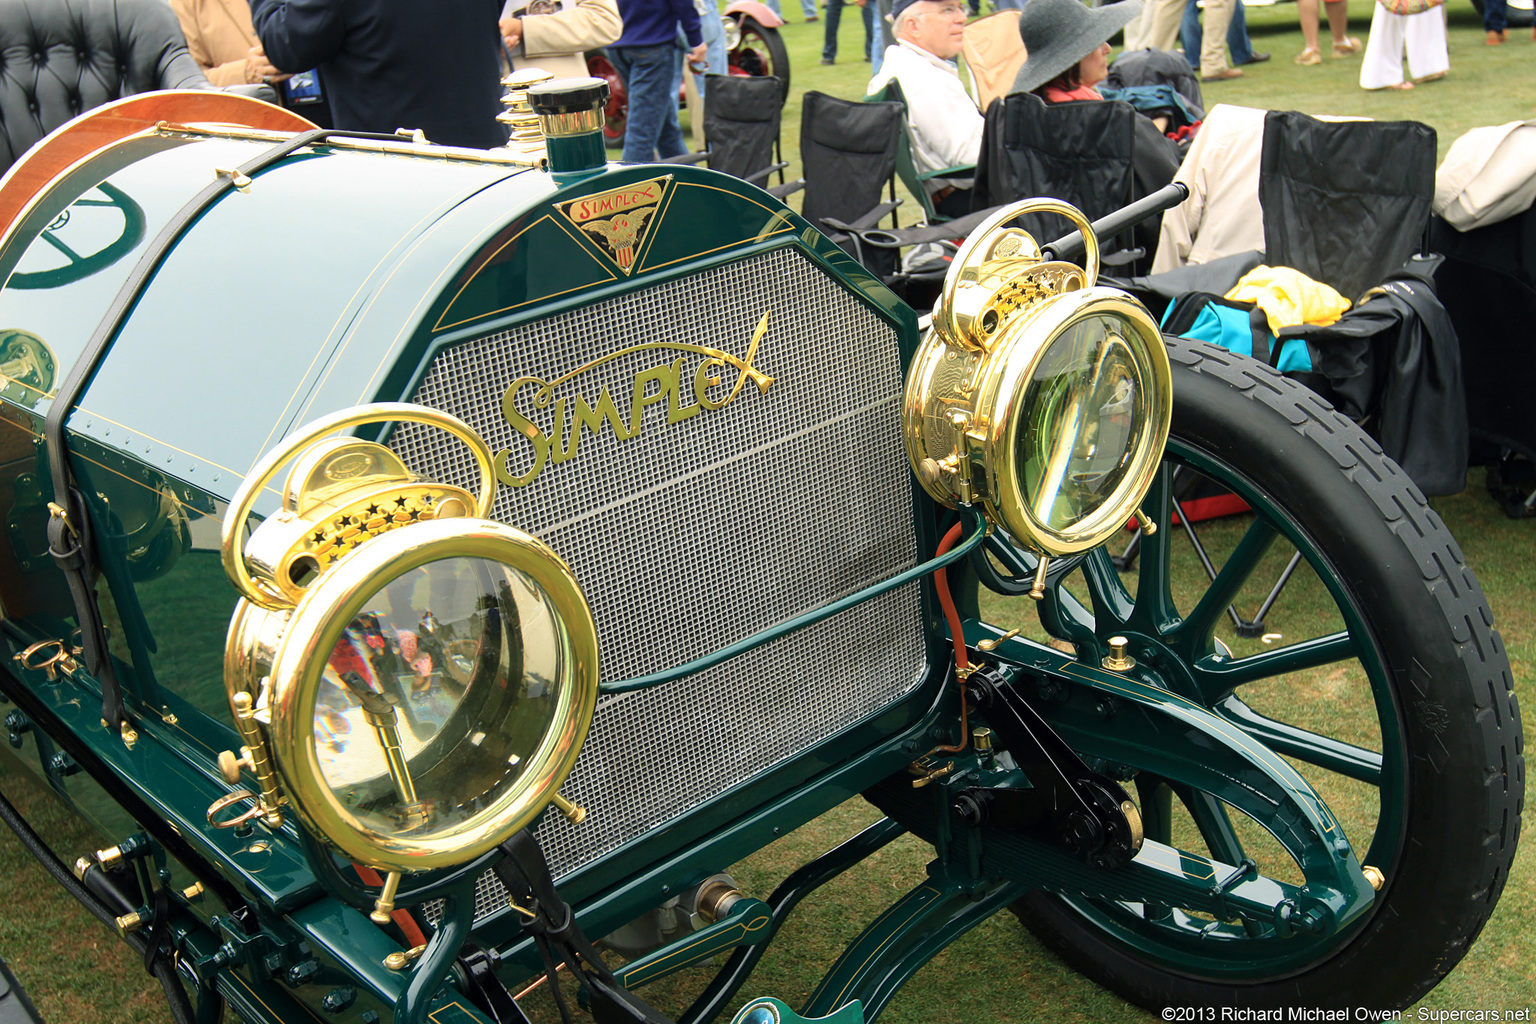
(695, 534)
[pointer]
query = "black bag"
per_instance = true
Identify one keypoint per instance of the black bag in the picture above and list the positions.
(1393, 365)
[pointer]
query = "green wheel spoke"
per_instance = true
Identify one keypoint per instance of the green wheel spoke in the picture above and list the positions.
(1112, 603)
(1063, 615)
(1215, 825)
(1218, 677)
(1200, 625)
(1156, 799)
(1323, 751)
(1155, 612)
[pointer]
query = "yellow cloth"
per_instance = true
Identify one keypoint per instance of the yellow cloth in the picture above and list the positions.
(1289, 297)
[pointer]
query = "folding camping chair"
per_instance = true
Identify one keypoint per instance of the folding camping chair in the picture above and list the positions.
(741, 128)
(916, 181)
(848, 156)
(1488, 285)
(1346, 203)
(1081, 152)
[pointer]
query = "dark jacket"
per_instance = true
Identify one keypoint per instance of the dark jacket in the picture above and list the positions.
(388, 64)
(1393, 364)
(1135, 68)
(653, 22)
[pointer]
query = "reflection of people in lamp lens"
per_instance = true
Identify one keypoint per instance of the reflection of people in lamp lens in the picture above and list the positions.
(436, 693)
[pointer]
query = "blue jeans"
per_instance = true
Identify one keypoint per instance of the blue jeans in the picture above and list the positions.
(1494, 15)
(714, 44)
(808, 8)
(1190, 35)
(713, 30)
(877, 45)
(651, 128)
(834, 15)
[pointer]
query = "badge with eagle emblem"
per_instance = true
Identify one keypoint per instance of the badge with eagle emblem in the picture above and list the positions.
(617, 221)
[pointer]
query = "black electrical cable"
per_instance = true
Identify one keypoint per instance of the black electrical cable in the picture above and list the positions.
(175, 995)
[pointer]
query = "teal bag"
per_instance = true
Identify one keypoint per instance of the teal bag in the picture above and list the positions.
(1236, 326)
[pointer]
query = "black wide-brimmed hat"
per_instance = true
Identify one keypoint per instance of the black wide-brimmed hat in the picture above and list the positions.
(1059, 33)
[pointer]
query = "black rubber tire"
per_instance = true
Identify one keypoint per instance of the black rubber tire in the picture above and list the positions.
(1454, 695)
(1515, 17)
(772, 43)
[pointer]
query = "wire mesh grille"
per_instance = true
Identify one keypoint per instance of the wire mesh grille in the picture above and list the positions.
(705, 527)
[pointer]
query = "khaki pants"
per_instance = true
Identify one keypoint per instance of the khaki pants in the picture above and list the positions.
(1213, 43)
(1156, 27)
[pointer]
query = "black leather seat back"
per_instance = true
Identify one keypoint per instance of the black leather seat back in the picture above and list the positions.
(60, 58)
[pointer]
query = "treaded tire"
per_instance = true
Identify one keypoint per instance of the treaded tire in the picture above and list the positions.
(1459, 719)
(768, 56)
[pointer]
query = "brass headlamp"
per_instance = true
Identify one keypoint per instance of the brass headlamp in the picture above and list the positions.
(1036, 394)
(414, 679)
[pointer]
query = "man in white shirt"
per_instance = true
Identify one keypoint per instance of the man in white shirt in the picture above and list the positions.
(944, 121)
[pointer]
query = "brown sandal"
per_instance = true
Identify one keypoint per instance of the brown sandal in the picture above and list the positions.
(1348, 48)
(1309, 57)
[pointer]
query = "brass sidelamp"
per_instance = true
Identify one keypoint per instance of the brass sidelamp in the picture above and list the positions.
(412, 678)
(1036, 393)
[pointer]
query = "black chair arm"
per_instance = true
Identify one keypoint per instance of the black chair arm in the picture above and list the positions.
(900, 238)
(759, 176)
(873, 217)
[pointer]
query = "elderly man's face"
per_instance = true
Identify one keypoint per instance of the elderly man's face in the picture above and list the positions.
(938, 26)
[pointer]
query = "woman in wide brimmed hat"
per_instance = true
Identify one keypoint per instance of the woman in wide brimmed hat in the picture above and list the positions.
(1068, 46)
(1068, 54)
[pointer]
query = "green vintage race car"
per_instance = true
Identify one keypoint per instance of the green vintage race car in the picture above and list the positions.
(456, 595)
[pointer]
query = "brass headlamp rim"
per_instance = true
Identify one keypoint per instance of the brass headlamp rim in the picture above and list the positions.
(335, 598)
(971, 261)
(240, 505)
(1002, 382)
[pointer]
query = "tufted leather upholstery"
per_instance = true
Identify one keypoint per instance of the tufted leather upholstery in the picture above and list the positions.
(59, 58)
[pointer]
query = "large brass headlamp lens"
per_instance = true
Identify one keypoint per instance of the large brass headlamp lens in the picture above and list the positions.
(1052, 413)
(432, 692)
(415, 681)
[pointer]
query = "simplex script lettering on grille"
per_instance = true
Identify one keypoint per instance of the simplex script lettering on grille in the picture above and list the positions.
(573, 412)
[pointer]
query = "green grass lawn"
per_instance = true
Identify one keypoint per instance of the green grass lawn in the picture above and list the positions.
(80, 974)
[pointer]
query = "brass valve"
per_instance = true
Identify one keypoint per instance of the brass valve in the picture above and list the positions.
(988, 645)
(927, 777)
